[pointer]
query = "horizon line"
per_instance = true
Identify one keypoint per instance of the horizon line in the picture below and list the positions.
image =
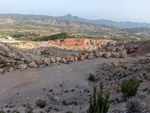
(76, 16)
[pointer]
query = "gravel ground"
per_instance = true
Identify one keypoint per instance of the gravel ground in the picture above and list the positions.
(35, 83)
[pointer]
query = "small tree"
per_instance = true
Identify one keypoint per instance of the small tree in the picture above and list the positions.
(98, 104)
(129, 88)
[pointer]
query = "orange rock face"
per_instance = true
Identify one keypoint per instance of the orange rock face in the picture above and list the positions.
(72, 42)
(81, 44)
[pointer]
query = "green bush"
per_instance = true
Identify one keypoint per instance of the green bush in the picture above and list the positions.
(28, 111)
(91, 77)
(2, 111)
(98, 104)
(64, 102)
(129, 88)
(41, 103)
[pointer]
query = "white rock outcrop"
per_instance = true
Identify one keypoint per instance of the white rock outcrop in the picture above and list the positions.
(47, 61)
(22, 67)
(33, 65)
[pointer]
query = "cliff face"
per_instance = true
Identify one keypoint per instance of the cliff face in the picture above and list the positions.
(82, 44)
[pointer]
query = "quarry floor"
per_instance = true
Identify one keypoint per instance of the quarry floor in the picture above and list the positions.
(20, 87)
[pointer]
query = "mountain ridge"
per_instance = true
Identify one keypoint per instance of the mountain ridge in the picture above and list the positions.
(69, 17)
(127, 24)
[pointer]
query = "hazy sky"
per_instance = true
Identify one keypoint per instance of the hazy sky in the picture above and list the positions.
(117, 10)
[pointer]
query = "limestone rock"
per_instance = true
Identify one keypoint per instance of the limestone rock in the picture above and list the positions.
(52, 60)
(46, 61)
(134, 55)
(103, 50)
(11, 69)
(32, 64)
(63, 60)
(40, 62)
(22, 67)
(119, 49)
(107, 55)
(148, 55)
(129, 49)
(69, 58)
(85, 55)
(115, 54)
(75, 58)
(58, 59)
(123, 54)
(116, 63)
(97, 54)
(90, 56)
(81, 57)
(113, 49)
(101, 54)
(1, 71)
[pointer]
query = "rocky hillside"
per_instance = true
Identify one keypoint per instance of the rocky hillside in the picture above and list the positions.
(64, 83)
(37, 26)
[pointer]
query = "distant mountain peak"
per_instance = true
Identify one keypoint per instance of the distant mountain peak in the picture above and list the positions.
(69, 15)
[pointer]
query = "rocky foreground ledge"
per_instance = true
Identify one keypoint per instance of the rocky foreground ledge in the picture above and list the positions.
(115, 52)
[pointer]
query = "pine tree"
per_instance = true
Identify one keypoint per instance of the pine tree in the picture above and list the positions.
(98, 104)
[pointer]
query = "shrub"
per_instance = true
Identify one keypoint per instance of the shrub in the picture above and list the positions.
(135, 105)
(41, 103)
(64, 102)
(28, 111)
(124, 67)
(2, 111)
(98, 104)
(91, 77)
(129, 88)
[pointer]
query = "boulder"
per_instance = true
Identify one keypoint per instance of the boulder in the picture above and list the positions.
(85, 55)
(75, 58)
(133, 55)
(115, 54)
(129, 49)
(103, 50)
(40, 62)
(11, 69)
(47, 61)
(101, 54)
(119, 49)
(148, 55)
(52, 60)
(1, 71)
(116, 63)
(58, 59)
(32, 64)
(69, 58)
(81, 57)
(97, 54)
(108, 49)
(22, 67)
(90, 56)
(77, 55)
(113, 49)
(63, 60)
(123, 54)
(107, 55)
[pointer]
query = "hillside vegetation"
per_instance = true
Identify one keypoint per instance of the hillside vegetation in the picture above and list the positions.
(57, 36)
(35, 27)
